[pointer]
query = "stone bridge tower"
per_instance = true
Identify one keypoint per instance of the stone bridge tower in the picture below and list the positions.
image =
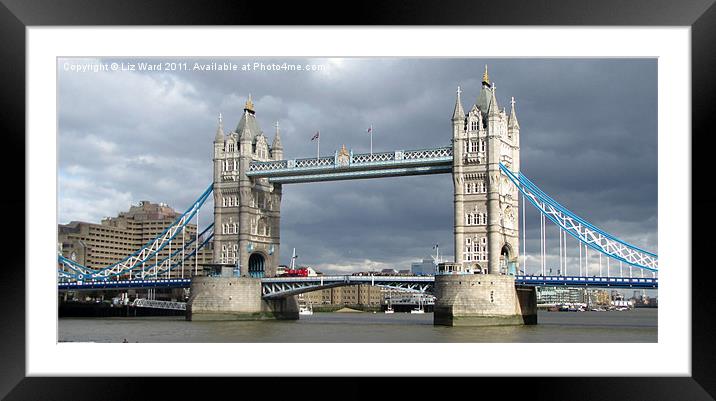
(246, 211)
(486, 208)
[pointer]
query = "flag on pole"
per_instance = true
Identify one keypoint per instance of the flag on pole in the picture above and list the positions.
(318, 134)
(370, 129)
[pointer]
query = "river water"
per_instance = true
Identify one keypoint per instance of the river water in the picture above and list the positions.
(638, 325)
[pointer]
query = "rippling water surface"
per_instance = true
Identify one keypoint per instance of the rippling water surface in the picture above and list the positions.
(639, 325)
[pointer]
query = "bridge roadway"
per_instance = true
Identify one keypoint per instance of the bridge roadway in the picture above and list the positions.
(347, 166)
(278, 287)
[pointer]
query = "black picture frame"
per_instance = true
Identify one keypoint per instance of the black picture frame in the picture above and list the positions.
(16, 15)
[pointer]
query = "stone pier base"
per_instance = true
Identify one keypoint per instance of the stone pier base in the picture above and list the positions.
(235, 298)
(483, 300)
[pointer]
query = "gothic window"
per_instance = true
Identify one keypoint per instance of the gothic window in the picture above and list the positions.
(473, 146)
(473, 125)
(482, 145)
(483, 247)
(230, 147)
(481, 189)
(230, 202)
(468, 219)
(236, 228)
(468, 188)
(223, 201)
(262, 228)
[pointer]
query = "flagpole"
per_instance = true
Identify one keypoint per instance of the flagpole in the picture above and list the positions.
(318, 151)
(371, 139)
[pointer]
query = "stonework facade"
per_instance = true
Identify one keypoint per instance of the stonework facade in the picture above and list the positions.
(486, 203)
(246, 210)
(361, 294)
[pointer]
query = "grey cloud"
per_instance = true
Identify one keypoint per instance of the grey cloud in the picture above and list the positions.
(588, 131)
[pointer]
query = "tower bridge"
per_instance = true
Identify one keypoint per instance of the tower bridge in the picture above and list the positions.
(483, 285)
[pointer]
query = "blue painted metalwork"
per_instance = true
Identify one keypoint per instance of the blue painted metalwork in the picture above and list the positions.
(580, 229)
(125, 284)
(356, 166)
(279, 287)
(142, 255)
(356, 175)
(576, 281)
(138, 273)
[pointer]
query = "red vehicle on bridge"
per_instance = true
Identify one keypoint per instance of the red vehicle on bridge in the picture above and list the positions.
(300, 272)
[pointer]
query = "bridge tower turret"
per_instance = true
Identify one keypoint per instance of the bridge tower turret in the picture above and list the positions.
(246, 210)
(486, 229)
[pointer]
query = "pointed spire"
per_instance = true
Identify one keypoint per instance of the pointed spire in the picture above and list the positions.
(512, 123)
(485, 77)
(459, 113)
(277, 139)
(249, 106)
(220, 130)
(494, 107)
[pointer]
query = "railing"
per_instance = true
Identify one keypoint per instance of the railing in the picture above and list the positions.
(397, 158)
(153, 303)
(581, 229)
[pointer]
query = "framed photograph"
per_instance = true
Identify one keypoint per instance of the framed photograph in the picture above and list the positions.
(137, 121)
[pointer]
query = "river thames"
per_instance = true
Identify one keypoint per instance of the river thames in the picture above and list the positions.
(634, 326)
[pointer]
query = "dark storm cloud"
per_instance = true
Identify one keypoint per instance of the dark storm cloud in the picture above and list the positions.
(588, 137)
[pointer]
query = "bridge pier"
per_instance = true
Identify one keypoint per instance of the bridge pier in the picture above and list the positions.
(235, 298)
(483, 300)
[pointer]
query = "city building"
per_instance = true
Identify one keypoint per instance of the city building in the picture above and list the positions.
(114, 238)
(359, 295)
(560, 295)
(424, 268)
(389, 271)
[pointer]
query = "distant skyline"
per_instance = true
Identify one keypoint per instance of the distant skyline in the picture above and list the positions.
(588, 138)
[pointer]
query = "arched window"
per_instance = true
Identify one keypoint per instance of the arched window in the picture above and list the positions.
(262, 229)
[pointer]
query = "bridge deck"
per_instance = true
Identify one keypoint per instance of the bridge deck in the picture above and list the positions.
(274, 287)
(350, 166)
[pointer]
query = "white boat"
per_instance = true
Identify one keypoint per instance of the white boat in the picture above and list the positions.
(390, 305)
(305, 310)
(419, 309)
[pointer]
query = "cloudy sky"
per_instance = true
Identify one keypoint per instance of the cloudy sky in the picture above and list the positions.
(588, 138)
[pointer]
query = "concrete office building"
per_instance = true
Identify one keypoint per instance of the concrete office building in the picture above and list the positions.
(114, 238)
